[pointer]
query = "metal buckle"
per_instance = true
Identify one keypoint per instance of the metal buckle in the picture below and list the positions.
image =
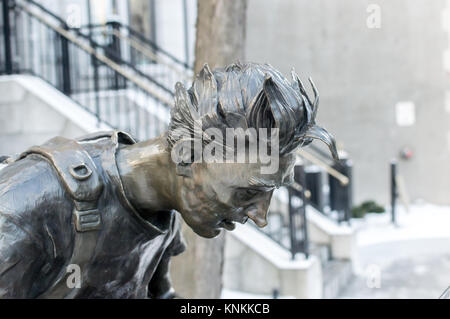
(87, 220)
(80, 172)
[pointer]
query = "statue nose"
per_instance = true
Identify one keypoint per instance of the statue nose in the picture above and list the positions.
(258, 212)
(259, 217)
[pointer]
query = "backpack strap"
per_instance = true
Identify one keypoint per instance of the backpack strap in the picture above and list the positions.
(117, 137)
(80, 178)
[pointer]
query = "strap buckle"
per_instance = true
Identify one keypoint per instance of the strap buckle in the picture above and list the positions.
(87, 220)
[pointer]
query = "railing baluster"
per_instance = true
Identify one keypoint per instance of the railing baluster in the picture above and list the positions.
(65, 65)
(297, 214)
(7, 37)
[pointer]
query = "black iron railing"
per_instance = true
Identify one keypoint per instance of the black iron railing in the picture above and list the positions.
(128, 47)
(39, 43)
(287, 223)
(106, 39)
(297, 213)
(336, 203)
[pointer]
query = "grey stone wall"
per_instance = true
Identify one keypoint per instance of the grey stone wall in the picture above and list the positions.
(32, 112)
(361, 74)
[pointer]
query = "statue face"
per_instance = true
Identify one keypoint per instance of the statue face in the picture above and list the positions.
(219, 194)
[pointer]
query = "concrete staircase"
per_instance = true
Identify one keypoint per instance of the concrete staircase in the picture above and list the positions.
(336, 273)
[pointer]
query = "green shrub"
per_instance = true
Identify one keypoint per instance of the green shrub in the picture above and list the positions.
(358, 212)
(366, 207)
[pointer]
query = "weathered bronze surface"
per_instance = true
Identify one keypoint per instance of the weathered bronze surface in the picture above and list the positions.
(108, 205)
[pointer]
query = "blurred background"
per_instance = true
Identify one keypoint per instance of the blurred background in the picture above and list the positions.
(373, 225)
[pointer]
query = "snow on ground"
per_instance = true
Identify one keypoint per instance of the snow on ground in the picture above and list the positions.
(423, 221)
(410, 260)
(411, 257)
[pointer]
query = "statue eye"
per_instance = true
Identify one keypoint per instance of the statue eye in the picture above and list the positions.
(246, 194)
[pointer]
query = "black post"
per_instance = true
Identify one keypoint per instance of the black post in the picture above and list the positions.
(393, 191)
(292, 229)
(95, 64)
(275, 294)
(347, 171)
(7, 37)
(115, 53)
(341, 195)
(65, 64)
(315, 185)
(297, 214)
(302, 181)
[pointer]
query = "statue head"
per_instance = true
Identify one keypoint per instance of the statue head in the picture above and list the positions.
(233, 137)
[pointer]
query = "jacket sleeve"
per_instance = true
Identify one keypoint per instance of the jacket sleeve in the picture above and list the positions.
(20, 260)
(160, 286)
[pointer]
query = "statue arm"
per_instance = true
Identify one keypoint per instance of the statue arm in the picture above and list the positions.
(160, 286)
(19, 261)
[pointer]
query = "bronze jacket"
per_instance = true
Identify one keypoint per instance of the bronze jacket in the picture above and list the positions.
(63, 209)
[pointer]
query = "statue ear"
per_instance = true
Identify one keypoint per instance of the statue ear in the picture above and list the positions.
(184, 169)
(184, 154)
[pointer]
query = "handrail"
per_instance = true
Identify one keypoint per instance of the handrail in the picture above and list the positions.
(141, 38)
(77, 31)
(130, 65)
(299, 188)
(344, 180)
(90, 50)
(148, 53)
(152, 44)
(41, 7)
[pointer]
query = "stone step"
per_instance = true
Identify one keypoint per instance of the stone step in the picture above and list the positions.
(336, 275)
(322, 252)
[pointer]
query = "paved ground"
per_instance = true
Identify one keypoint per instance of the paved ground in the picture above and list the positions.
(409, 260)
(418, 269)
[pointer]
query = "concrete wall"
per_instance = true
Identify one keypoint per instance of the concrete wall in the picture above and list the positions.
(31, 112)
(256, 264)
(361, 74)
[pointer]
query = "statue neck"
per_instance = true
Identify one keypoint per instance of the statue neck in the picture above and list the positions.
(148, 175)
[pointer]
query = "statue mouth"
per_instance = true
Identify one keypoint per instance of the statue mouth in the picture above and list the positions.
(227, 224)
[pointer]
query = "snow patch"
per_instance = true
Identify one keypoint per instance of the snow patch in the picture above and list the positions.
(423, 221)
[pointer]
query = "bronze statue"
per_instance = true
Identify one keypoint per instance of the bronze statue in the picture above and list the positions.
(107, 205)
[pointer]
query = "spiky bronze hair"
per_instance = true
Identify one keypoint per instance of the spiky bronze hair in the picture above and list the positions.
(245, 96)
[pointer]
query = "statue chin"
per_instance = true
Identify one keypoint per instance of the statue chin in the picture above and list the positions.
(206, 232)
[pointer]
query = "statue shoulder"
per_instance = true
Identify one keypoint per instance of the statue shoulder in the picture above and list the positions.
(76, 170)
(49, 172)
(59, 172)
(26, 181)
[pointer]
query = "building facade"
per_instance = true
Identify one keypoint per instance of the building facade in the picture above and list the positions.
(382, 70)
